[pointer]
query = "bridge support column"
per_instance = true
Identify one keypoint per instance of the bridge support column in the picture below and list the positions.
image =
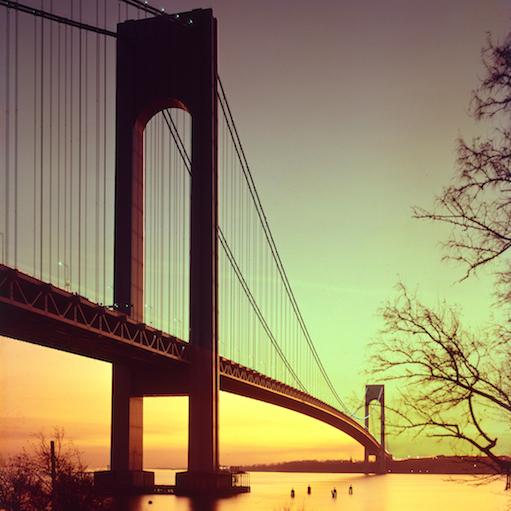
(203, 475)
(126, 437)
(161, 63)
(376, 393)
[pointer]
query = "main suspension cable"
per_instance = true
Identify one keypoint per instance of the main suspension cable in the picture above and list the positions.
(264, 222)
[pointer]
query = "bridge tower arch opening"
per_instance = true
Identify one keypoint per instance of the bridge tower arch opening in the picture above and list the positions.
(167, 183)
(168, 62)
(375, 393)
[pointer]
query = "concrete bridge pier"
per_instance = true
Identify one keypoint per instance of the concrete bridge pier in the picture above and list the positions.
(126, 459)
(375, 462)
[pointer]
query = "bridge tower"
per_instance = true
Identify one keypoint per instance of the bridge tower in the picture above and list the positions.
(161, 63)
(376, 393)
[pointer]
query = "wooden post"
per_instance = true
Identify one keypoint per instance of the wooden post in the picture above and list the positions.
(53, 477)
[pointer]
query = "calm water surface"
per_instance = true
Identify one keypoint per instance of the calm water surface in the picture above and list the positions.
(392, 492)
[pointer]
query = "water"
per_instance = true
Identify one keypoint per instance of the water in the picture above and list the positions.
(392, 492)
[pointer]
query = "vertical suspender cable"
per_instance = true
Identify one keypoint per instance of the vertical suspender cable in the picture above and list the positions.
(71, 148)
(176, 213)
(67, 164)
(41, 219)
(96, 163)
(172, 119)
(5, 236)
(85, 170)
(147, 239)
(79, 142)
(50, 152)
(179, 224)
(59, 122)
(154, 215)
(171, 260)
(16, 143)
(180, 176)
(162, 206)
(156, 218)
(149, 207)
(159, 222)
(35, 150)
(64, 151)
(173, 220)
(104, 161)
(149, 223)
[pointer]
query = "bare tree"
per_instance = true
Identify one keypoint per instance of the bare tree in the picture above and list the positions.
(478, 202)
(36, 479)
(20, 489)
(455, 383)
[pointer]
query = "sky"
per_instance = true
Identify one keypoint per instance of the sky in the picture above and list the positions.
(348, 112)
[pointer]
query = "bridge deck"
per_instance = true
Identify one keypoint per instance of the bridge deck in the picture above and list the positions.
(38, 312)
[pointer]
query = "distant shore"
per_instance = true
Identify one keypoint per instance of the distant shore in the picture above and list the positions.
(431, 465)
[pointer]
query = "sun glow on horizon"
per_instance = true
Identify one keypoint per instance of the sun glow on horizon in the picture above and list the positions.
(42, 388)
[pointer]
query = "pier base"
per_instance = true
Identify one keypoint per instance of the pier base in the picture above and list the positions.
(221, 483)
(123, 481)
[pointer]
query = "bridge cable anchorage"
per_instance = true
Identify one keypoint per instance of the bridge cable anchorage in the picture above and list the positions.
(264, 222)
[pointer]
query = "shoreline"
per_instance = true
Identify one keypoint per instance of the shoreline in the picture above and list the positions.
(458, 465)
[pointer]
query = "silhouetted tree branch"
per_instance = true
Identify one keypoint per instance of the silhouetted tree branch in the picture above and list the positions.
(26, 482)
(478, 203)
(494, 94)
(453, 383)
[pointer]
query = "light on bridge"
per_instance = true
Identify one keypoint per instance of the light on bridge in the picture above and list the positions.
(66, 273)
(150, 306)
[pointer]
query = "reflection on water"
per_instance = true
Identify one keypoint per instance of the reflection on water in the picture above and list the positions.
(199, 504)
(392, 492)
(167, 502)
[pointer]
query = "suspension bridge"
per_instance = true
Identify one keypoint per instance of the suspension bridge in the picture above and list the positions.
(131, 229)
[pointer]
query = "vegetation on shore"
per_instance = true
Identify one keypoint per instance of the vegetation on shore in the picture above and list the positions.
(432, 465)
(50, 474)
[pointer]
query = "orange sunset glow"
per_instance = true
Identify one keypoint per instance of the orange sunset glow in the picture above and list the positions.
(348, 112)
(74, 393)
